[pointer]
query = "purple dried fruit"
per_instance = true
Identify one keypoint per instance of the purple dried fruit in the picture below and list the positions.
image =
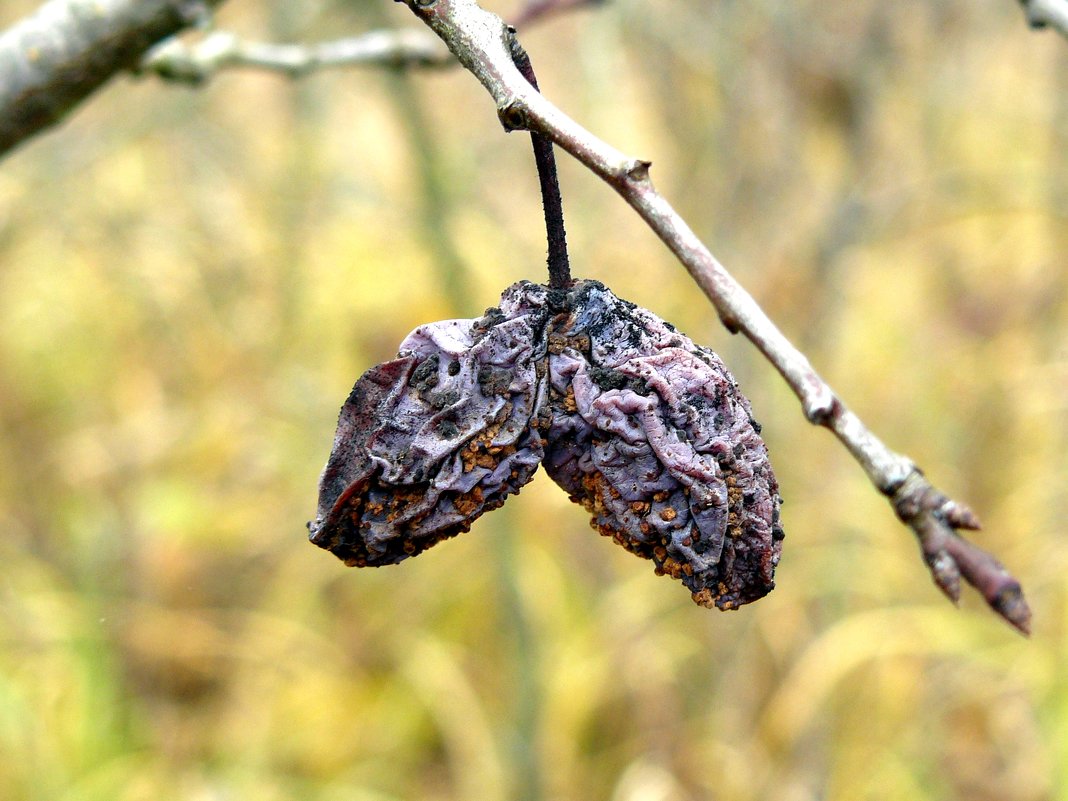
(652, 436)
(429, 441)
(645, 429)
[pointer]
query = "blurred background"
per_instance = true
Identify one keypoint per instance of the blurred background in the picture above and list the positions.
(192, 279)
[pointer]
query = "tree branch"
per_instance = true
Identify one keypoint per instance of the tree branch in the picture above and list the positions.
(194, 64)
(1047, 14)
(481, 42)
(197, 63)
(65, 51)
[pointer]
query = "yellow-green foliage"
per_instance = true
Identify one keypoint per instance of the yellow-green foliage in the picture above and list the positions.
(190, 281)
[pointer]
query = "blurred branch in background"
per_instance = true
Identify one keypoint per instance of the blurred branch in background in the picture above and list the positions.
(536, 9)
(1047, 14)
(57, 57)
(198, 62)
(481, 42)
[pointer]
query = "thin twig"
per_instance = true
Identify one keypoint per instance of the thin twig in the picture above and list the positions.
(1047, 14)
(197, 63)
(480, 40)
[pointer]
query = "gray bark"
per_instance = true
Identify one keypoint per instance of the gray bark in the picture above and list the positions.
(66, 50)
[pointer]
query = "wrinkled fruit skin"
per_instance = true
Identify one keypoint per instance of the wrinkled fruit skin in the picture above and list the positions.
(645, 429)
(429, 441)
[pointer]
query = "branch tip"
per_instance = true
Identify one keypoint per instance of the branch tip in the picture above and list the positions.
(945, 573)
(935, 519)
(957, 515)
(1012, 607)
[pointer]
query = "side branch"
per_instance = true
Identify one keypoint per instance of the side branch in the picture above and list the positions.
(480, 41)
(57, 57)
(197, 63)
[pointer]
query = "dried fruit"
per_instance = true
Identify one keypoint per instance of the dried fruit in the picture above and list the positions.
(429, 441)
(651, 435)
(645, 429)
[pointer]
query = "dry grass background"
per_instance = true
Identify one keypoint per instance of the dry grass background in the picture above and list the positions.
(190, 281)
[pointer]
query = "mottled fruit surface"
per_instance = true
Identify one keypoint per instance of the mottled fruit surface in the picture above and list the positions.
(644, 428)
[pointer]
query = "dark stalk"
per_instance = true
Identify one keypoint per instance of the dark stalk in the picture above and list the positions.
(559, 267)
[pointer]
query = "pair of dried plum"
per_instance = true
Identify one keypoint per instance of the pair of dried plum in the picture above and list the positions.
(645, 429)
